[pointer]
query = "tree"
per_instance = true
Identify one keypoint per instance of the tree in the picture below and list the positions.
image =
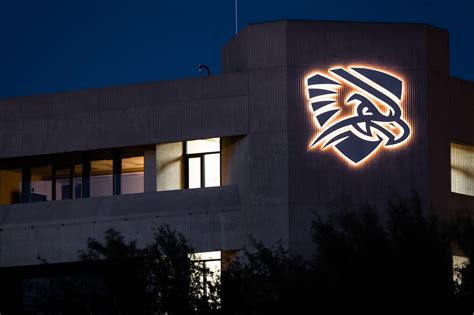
(120, 267)
(269, 281)
(403, 262)
(362, 263)
(173, 282)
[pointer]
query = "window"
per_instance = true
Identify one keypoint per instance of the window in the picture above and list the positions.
(41, 183)
(10, 186)
(462, 169)
(210, 260)
(203, 162)
(77, 181)
(210, 264)
(459, 262)
(65, 178)
(101, 180)
(132, 175)
(74, 175)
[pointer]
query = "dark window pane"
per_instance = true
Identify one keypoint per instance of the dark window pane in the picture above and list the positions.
(63, 189)
(78, 181)
(41, 183)
(10, 186)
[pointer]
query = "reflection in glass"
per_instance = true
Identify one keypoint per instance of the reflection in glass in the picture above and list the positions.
(101, 181)
(41, 183)
(10, 186)
(203, 146)
(194, 172)
(132, 175)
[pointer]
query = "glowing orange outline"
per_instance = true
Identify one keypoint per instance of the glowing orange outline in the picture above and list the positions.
(333, 120)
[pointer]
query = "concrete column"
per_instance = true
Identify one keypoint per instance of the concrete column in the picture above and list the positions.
(150, 170)
(25, 184)
(117, 173)
(86, 177)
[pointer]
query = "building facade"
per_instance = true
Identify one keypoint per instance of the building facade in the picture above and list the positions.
(304, 114)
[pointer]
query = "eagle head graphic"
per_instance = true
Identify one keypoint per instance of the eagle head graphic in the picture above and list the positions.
(356, 111)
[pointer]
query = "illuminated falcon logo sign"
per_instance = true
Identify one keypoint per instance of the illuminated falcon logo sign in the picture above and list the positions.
(357, 111)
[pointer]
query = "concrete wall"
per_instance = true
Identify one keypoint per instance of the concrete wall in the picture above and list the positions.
(461, 130)
(209, 217)
(260, 52)
(124, 116)
(460, 110)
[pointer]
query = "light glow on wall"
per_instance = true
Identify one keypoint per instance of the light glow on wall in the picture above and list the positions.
(357, 110)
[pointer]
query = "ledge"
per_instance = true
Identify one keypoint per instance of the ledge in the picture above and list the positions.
(164, 203)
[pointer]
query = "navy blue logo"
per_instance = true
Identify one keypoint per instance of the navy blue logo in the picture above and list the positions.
(357, 111)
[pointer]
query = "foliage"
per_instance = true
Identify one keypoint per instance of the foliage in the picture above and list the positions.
(403, 261)
(269, 281)
(115, 248)
(362, 263)
(173, 282)
(122, 272)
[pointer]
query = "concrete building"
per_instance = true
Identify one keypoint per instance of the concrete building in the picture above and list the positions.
(303, 114)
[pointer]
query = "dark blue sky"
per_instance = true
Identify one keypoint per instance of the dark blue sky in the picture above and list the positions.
(60, 45)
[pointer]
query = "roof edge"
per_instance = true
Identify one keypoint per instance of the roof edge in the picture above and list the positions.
(349, 21)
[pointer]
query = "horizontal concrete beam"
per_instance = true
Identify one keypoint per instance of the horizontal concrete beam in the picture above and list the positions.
(125, 116)
(210, 218)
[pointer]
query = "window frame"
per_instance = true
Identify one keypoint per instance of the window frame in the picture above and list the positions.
(201, 156)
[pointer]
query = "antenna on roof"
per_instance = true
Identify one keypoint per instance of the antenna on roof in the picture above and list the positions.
(236, 16)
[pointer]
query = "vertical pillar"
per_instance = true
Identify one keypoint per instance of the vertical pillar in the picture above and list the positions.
(53, 180)
(117, 172)
(25, 184)
(86, 177)
(150, 169)
(71, 182)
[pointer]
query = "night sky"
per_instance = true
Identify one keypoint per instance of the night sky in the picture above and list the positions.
(62, 45)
